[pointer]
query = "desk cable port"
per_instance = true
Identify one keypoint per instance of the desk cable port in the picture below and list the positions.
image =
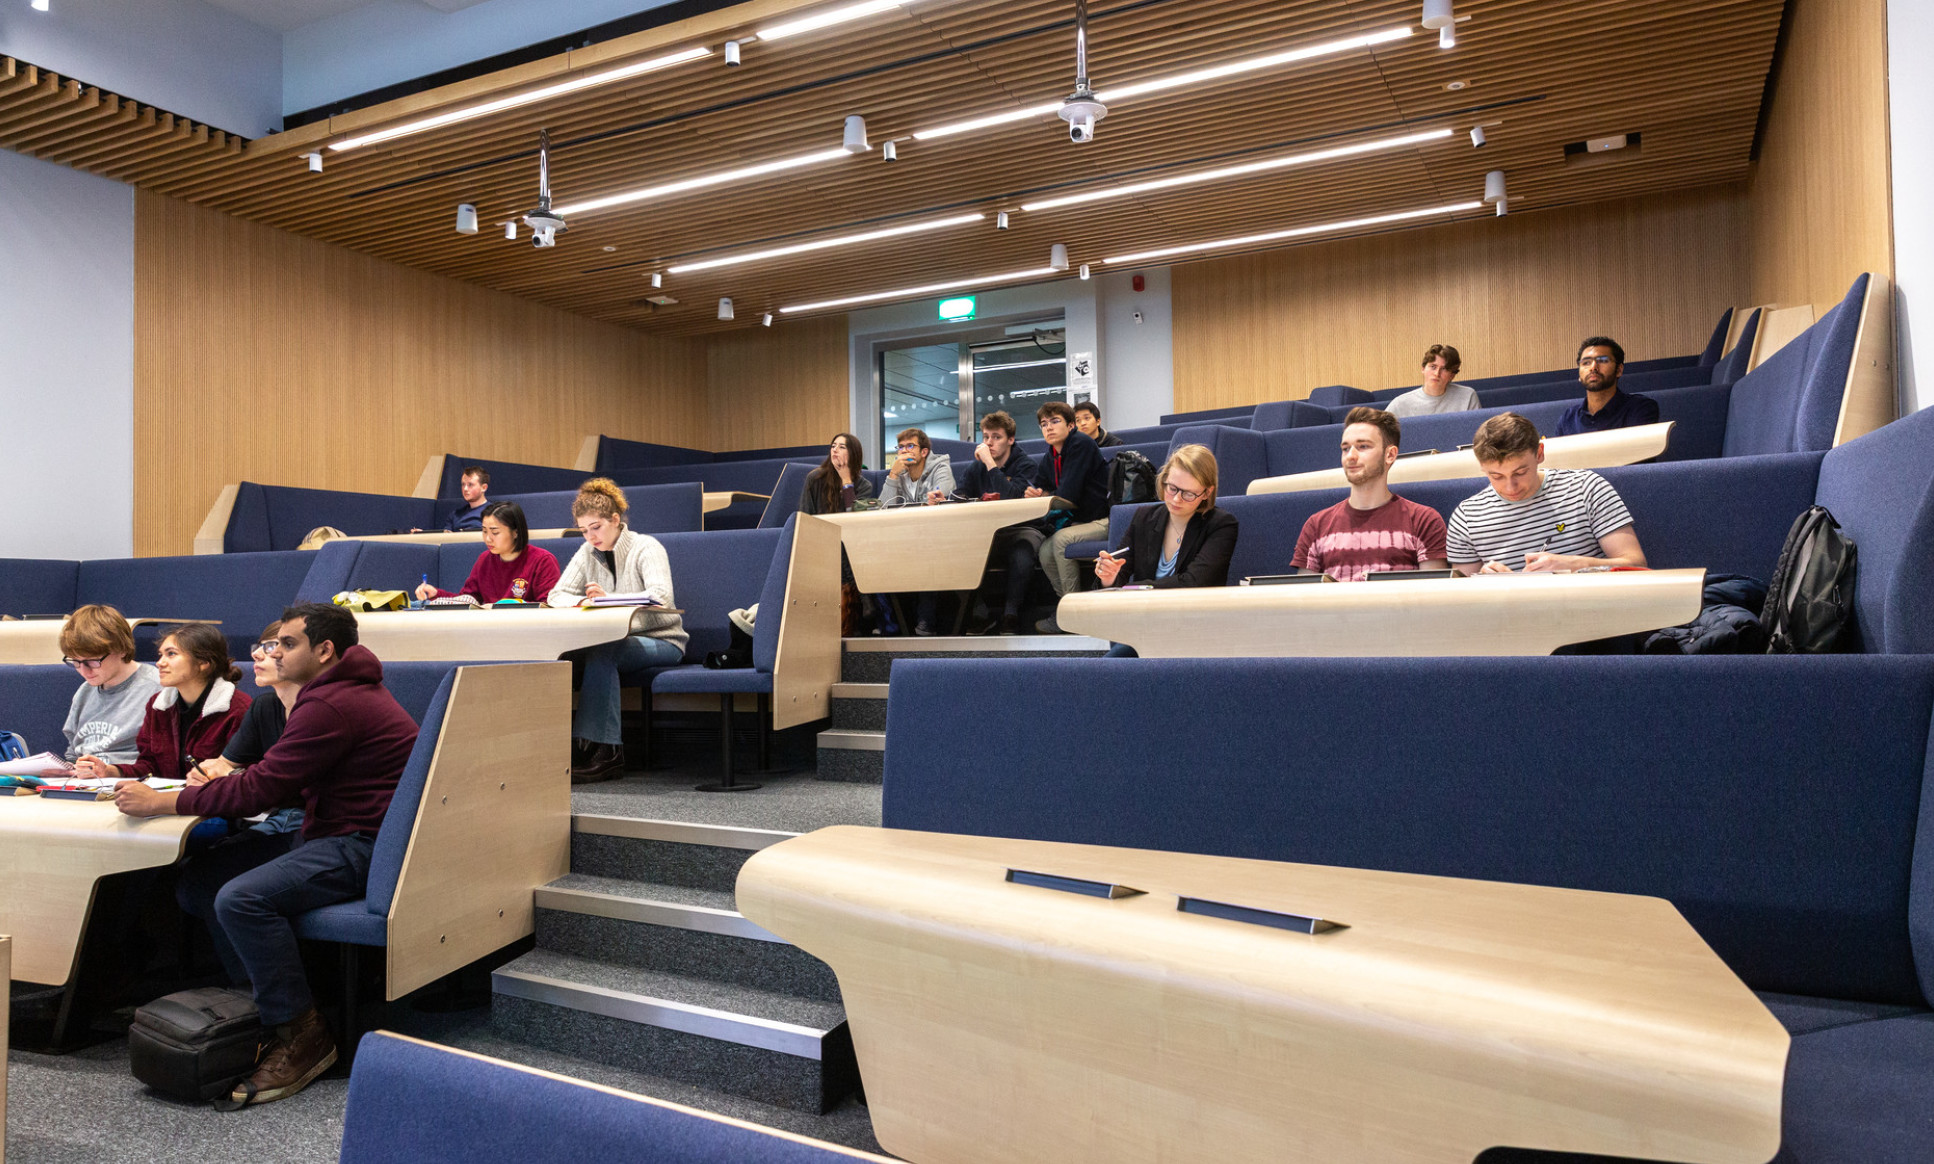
(1071, 884)
(1296, 922)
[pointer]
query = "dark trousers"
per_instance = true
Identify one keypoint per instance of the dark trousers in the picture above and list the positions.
(249, 888)
(1019, 546)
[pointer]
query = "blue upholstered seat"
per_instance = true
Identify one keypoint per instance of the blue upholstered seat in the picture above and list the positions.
(1880, 488)
(278, 517)
(1241, 454)
(34, 702)
(771, 598)
(1791, 402)
(37, 585)
(786, 493)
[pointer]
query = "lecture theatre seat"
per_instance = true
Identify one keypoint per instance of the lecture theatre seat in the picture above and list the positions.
(1778, 802)
(412, 1102)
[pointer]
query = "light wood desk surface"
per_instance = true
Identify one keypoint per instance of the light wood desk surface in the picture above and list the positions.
(446, 538)
(1590, 450)
(1485, 614)
(717, 501)
(997, 1022)
(927, 547)
(51, 854)
(37, 640)
(496, 635)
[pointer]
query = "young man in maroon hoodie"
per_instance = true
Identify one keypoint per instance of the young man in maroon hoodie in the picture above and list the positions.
(340, 755)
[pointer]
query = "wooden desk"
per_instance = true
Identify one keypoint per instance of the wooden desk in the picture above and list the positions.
(716, 501)
(927, 547)
(445, 537)
(37, 640)
(52, 852)
(997, 1022)
(497, 635)
(1591, 450)
(1486, 614)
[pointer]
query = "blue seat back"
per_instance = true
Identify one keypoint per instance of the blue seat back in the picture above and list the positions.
(349, 564)
(413, 1103)
(34, 702)
(1240, 454)
(713, 574)
(244, 591)
(38, 585)
(399, 821)
(813, 453)
(1330, 395)
(1878, 488)
(786, 493)
(1733, 365)
(510, 477)
(1791, 402)
(1717, 344)
(1789, 846)
(1209, 415)
(675, 508)
(772, 601)
(615, 454)
(278, 517)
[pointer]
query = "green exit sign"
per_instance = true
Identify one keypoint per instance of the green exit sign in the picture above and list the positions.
(957, 309)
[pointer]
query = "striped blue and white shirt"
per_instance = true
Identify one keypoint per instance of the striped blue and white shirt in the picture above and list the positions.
(1569, 514)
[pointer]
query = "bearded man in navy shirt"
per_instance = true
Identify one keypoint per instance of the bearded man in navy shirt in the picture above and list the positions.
(1605, 406)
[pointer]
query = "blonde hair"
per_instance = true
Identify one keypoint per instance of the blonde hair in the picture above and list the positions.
(1198, 462)
(600, 497)
(96, 632)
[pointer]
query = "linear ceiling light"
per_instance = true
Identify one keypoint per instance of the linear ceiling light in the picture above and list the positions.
(1388, 143)
(1192, 77)
(826, 243)
(486, 108)
(1298, 232)
(826, 19)
(701, 182)
(915, 292)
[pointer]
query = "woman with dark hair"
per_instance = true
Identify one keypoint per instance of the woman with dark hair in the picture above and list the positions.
(510, 567)
(839, 480)
(192, 717)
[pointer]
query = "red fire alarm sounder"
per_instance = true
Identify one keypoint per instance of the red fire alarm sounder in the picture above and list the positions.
(1139, 283)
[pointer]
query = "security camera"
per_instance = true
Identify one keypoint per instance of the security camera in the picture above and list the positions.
(1081, 129)
(544, 238)
(1081, 111)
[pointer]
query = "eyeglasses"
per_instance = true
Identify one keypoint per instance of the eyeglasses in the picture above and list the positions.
(84, 664)
(1601, 361)
(1179, 493)
(910, 447)
(264, 649)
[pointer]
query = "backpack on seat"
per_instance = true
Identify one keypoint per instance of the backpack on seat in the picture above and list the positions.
(195, 1044)
(1809, 604)
(1131, 478)
(12, 747)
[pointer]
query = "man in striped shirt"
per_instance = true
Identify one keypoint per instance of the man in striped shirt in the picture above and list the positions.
(1533, 518)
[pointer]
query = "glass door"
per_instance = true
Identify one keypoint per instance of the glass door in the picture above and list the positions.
(920, 388)
(1017, 375)
(944, 384)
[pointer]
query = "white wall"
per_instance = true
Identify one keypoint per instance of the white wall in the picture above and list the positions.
(1138, 352)
(66, 362)
(1910, 92)
(187, 57)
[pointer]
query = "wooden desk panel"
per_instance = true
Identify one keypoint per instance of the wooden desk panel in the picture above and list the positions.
(1515, 614)
(714, 502)
(927, 547)
(36, 641)
(51, 854)
(996, 1022)
(498, 635)
(1591, 450)
(445, 537)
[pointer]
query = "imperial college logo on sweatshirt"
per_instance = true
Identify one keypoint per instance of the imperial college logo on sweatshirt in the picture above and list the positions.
(518, 588)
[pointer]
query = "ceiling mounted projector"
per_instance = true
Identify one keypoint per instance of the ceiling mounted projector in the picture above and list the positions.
(546, 224)
(1081, 110)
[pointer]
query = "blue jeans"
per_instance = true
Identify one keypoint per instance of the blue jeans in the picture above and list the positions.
(249, 889)
(597, 716)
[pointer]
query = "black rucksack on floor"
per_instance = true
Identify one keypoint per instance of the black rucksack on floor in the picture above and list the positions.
(195, 1044)
(1809, 605)
(1131, 478)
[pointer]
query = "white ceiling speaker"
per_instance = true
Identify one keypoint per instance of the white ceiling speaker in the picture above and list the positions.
(1477, 136)
(725, 309)
(546, 224)
(854, 139)
(315, 163)
(1494, 191)
(1000, 220)
(1058, 257)
(657, 280)
(1438, 14)
(766, 321)
(466, 218)
(1080, 110)
(1447, 37)
(731, 52)
(889, 152)
(510, 230)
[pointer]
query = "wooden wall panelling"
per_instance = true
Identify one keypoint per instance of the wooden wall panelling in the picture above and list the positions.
(1512, 295)
(263, 356)
(1820, 200)
(777, 386)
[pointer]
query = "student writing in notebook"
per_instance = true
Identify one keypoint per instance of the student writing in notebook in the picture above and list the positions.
(510, 567)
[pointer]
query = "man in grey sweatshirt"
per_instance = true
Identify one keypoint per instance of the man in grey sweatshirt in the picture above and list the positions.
(107, 711)
(917, 477)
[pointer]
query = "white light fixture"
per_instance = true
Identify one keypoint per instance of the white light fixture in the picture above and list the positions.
(1193, 77)
(926, 289)
(853, 139)
(725, 309)
(766, 320)
(40, 5)
(1447, 37)
(1058, 257)
(1388, 143)
(889, 152)
(701, 182)
(1084, 270)
(1494, 186)
(1298, 232)
(657, 280)
(1477, 136)
(826, 19)
(510, 231)
(486, 108)
(315, 163)
(466, 218)
(1438, 14)
(731, 52)
(827, 243)
(1000, 220)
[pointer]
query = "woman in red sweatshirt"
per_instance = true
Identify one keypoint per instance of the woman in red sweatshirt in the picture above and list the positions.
(192, 717)
(509, 567)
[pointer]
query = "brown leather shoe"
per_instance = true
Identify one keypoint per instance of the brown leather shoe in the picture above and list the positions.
(602, 762)
(302, 1050)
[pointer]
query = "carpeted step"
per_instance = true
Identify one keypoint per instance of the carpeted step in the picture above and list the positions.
(852, 756)
(870, 660)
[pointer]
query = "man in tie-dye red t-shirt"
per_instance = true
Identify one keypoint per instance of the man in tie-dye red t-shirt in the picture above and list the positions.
(1373, 530)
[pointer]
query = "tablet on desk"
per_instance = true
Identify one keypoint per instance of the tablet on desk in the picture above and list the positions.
(1284, 579)
(1406, 575)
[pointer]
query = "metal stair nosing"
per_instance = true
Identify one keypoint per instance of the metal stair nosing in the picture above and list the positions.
(782, 1038)
(645, 911)
(853, 739)
(678, 832)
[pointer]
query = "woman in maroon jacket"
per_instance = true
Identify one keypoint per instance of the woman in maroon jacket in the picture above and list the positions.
(191, 719)
(510, 567)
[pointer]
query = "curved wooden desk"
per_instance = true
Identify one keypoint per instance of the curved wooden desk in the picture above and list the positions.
(1591, 450)
(927, 547)
(51, 854)
(496, 635)
(997, 1022)
(37, 640)
(444, 537)
(712, 502)
(1486, 614)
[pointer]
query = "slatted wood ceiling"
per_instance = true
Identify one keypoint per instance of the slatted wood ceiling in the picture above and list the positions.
(1686, 74)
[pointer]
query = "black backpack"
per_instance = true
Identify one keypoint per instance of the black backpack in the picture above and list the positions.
(1131, 478)
(1809, 605)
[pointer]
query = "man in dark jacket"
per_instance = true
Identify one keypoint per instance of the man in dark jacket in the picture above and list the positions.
(1075, 473)
(341, 754)
(1087, 418)
(1001, 472)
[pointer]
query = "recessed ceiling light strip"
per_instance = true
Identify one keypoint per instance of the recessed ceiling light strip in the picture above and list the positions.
(1388, 143)
(927, 289)
(486, 108)
(1298, 232)
(1177, 80)
(826, 19)
(826, 243)
(702, 181)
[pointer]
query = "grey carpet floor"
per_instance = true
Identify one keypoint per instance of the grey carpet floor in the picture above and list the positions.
(795, 803)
